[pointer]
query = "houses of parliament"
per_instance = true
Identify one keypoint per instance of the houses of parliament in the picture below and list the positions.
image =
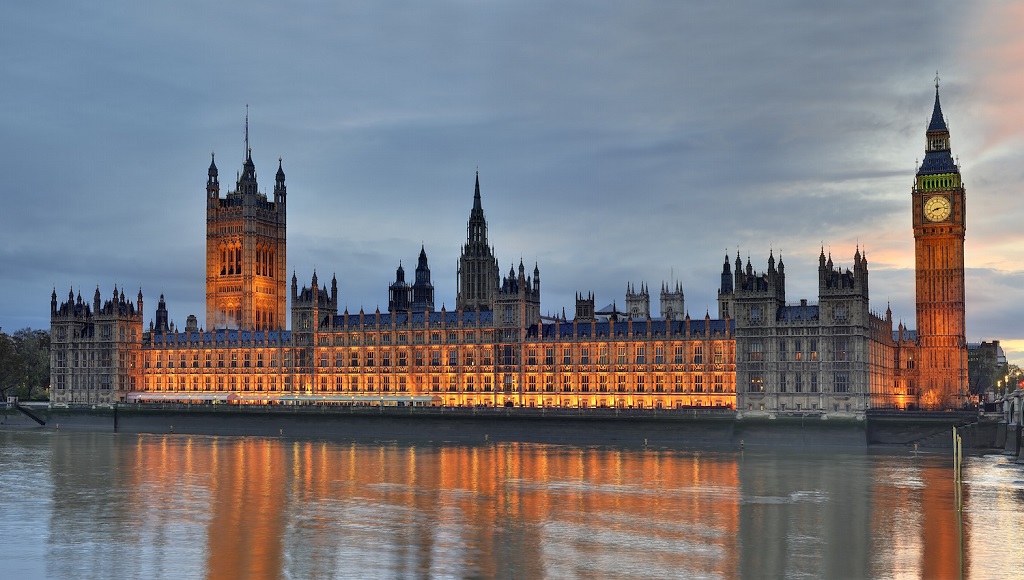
(761, 355)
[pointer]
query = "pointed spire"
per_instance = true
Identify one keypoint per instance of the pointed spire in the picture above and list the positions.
(938, 122)
(476, 194)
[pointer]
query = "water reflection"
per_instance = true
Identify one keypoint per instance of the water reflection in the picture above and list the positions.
(192, 507)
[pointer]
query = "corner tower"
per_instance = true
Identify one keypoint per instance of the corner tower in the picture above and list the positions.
(246, 280)
(940, 219)
(477, 283)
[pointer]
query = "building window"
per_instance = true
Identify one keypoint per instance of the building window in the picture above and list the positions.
(566, 355)
(756, 383)
(698, 354)
(842, 383)
(641, 354)
(840, 313)
(842, 345)
(754, 351)
(814, 383)
(698, 384)
(782, 382)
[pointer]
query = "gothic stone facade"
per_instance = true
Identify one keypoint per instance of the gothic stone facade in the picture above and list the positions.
(94, 349)
(762, 356)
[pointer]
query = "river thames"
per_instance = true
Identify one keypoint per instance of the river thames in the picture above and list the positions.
(94, 505)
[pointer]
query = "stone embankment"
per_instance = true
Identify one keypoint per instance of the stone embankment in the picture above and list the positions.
(709, 429)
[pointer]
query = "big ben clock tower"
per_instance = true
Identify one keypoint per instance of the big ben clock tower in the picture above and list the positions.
(939, 217)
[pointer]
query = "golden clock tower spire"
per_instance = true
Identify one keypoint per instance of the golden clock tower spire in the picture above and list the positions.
(939, 219)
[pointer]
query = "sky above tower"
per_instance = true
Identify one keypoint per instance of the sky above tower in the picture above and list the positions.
(617, 142)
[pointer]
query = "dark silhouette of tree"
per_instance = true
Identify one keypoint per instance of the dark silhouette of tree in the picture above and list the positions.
(25, 364)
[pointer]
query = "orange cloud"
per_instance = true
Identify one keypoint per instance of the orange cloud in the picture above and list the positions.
(995, 49)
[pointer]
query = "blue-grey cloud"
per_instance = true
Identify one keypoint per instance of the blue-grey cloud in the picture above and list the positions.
(616, 142)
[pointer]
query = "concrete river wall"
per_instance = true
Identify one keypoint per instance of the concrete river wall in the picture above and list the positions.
(672, 429)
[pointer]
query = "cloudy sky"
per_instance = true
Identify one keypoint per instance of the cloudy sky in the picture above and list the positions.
(616, 142)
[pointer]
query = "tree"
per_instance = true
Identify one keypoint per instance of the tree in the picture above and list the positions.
(25, 364)
(11, 369)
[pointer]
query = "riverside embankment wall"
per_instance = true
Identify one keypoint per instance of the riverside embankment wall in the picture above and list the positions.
(587, 427)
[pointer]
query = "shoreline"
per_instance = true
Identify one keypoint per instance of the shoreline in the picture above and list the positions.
(613, 427)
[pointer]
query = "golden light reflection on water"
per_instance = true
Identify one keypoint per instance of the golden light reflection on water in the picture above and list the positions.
(183, 507)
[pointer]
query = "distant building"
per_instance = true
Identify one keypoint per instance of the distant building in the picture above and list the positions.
(986, 365)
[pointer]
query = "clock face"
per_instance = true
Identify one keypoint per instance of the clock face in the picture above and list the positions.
(937, 208)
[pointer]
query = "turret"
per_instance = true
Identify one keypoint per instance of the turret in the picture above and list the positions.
(584, 307)
(334, 291)
(280, 190)
(212, 184)
(399, 292)
(422, 288)
(726, 280)
(161, 316)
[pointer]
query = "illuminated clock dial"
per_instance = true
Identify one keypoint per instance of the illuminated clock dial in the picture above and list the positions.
(937, 208)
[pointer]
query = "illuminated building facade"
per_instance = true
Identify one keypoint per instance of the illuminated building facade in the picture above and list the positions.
(939, 218)
(246, 256)
(761, 356)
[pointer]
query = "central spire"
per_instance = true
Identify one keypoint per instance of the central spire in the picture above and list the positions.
(248, 152)
(938, 158)
(938, 122)
(476, 195)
